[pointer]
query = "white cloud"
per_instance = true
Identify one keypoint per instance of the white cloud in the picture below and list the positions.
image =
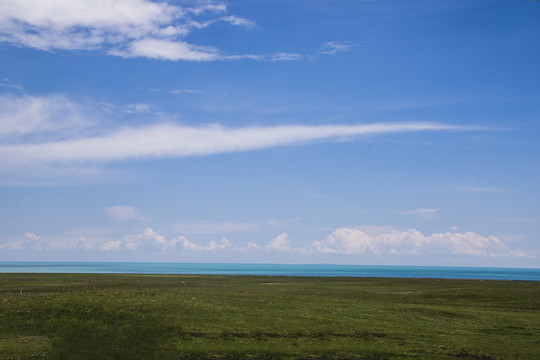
(11, 86)
(12, 245)
(137, 108)
(60, 122)
(283, 222)
(249, 247)
(187, 245)
(518, 253)
(114, 245)
(372, 241)
(514, 220)
(420, 214)
(28, 240)
(213, 227)
(211, 7)
(104, 240)
(127, 28)
(31, 241)
(286, 57)
(31, 236)
(27, 115)
(280, 243)
(185, 91)
(163, 49)
(150, 240)
(222, 245)
(334, 47)
(124, 213)
(410, 242)
(311, 192)
(246, 56)
(481, 189)
(130, 109)
(238, 21)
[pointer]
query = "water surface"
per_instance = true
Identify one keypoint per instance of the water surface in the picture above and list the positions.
(443, 272)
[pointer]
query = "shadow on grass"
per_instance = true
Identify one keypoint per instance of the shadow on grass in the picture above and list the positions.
(465, 354)
(114, 336)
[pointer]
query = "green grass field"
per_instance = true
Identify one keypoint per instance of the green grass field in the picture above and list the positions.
(93, 316)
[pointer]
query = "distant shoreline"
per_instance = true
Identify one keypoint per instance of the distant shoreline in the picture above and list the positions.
(305, 270)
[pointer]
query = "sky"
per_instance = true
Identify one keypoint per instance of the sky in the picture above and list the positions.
(343, 132)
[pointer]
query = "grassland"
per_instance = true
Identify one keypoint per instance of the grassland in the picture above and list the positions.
(92, 316)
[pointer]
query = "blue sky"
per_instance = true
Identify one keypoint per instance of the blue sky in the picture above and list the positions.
(351, 132)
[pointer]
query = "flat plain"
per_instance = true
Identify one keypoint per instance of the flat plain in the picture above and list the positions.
(109, 316)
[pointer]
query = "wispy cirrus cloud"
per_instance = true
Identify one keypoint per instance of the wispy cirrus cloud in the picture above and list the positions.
(207, 227)
(481, 189)
(29, 115)
(421, 214)
(7, 84)
(239, 21)
(140, 108)
(286, 57)
(504, 219)
(52, 132)
(334, 47)
(124, 213)
(185, 91)
(418, 211)
(178, 141)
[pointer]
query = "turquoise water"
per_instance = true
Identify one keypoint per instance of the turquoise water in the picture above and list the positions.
(442, 272)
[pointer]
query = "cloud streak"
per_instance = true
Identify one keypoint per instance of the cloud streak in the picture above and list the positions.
(418, 212)
(334, 47)
(177, 141)
(421, 214)
(481, 189)
(214, 227)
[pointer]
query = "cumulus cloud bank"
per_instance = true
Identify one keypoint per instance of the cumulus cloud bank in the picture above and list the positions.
(279, 243)
(150, 240)
(354, 241)
(342, 241)
(127, 28)
(102, 240)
